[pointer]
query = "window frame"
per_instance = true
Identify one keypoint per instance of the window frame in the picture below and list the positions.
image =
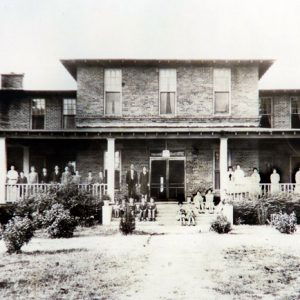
(160, 90)
(31, 113)
(63, 112)
(222, 91)
(292, 98)
(113, 91)
(272, 109)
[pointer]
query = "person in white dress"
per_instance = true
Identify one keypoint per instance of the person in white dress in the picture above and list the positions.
(209, 201)
(239, 179)
(12, 179)
(33, 177)
(255, 190)
(275, 179)
(297, 180)
(198, 201)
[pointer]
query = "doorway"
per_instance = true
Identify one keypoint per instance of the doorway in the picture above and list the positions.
(167, 180)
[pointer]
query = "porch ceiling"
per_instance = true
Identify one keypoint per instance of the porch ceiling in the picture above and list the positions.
(149, 133)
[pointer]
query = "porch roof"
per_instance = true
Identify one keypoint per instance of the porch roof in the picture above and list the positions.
(148, 133)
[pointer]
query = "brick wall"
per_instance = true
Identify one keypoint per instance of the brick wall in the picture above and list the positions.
(53, 113)
(140, 95)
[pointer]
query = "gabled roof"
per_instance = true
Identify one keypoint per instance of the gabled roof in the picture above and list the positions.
(72, 64)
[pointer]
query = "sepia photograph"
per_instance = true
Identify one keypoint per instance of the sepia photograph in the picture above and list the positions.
(149, 149)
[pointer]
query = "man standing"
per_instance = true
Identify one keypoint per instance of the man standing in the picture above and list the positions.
(144, 183)
(66, 176)
(131, 181)
(33, 177)
(44, 176)
(56, 176)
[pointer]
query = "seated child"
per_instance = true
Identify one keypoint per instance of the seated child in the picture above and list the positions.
(152, 210)
(131, 206)
(122, 208)
(198, 201)
(209, 201)
(116, 209)
(190, 214)
(143, 210)
(181, 215)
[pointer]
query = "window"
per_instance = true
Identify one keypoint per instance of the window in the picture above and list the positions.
(222, 86)
(266, 112)
(113, 89)
(117, 168)
(69, 113)
(216, 170)
(167, 91)
(38, 113)
(295, 112)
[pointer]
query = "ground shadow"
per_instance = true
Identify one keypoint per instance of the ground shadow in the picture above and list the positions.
(59, 251)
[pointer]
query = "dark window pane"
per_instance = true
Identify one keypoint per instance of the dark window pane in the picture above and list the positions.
(295, 120)
(69, 122)
(167, 103)
(113, 103)
(222, 102)
(265, 121)
(38, 122)
(217, 180)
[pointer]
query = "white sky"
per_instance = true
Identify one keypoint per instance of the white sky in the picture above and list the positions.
(35, 34)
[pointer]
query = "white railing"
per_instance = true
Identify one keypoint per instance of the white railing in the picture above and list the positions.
(15, 192)
(265, 190)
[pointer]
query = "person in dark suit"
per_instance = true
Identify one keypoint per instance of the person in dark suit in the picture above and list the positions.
(45, 176)
(56, 175)
(131, 181)
(22, 178)
(144, 183)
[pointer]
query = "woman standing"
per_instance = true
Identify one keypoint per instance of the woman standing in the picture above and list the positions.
(144, 183)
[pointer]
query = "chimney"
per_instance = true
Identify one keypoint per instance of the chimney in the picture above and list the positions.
(12, 81)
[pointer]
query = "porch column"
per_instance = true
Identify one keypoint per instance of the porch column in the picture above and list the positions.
(3, 169)
(223, 166)
(26, 160)
(111, 168)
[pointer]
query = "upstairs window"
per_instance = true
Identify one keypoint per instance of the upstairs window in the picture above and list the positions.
(266, 112)
(222, 87)
(295, 112)
(113, 90)
(69, 113)
(167, 91)
(38, 113)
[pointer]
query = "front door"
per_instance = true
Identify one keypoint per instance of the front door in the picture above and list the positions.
(167, 179)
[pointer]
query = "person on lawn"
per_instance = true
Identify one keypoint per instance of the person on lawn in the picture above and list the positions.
(190, 214)
(199, 204)
(181, 215)
(132, 206)
(116, 209)
(143, 210)
(152, 210)
(123, 208)
(209, 201)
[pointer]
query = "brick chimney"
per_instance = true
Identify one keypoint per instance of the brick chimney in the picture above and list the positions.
(12, 81)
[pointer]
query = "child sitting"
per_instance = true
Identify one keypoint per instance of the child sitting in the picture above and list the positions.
(132, 207)
(122, 208)
(181, 215)
(116, 209)
(190, 214)
(152, 210)
(143, 210)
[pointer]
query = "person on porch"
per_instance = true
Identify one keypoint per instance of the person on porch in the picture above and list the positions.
(255, 189)
(22, 178)
(12, 175)
(33, 177)
(66, 176)
(100, 179)
(90, 179)
(131, 181)
(275, 179)
(144, 183)
(297, 180)
(56, 175)
(239, 179)
(76, 178)
(230, 181)
(45, 177)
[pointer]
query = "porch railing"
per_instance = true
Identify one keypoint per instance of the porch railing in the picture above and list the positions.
(15, 192)
(265, 190)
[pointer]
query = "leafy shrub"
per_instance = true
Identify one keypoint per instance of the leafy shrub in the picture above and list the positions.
(127, 222)
(285, 223)
(58, 222)
(17, 232)
(6, 213)
(221, 225)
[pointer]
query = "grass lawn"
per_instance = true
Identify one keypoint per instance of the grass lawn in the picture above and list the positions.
(253, 262)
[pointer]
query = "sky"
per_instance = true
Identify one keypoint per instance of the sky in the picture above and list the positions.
(36, 34)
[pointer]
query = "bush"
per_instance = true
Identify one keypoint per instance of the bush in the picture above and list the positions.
(221, 225)
(6, 213)
(59, 222)
(285, 223)
(17, 232)
(127, 222)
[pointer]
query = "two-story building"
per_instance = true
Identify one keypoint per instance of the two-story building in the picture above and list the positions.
(185, 120)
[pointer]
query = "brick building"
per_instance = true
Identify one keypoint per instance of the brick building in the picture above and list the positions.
(185, 120)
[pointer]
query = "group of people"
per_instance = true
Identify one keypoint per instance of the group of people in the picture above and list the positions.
(55, 177)
(142, 210)
(199, 205)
